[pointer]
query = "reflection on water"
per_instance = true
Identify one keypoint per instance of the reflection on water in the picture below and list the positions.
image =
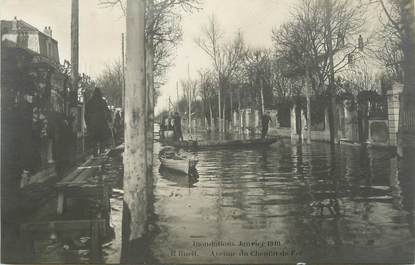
(179, 179)
(315, 203)
(346, 204)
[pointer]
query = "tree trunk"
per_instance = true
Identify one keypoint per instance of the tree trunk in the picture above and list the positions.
(239, 99)
(212, 122)
(219, 106)
(150, 91)
(308, 126)
(332, 88)
(135, 163)
(223, 115)
(231, 111)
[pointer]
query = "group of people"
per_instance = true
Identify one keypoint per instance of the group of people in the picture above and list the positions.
(173, 122)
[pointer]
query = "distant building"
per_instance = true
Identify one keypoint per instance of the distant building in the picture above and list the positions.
(18, 33)
(36, 92)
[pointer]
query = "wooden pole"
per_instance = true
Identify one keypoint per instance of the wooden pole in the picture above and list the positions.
(75, 67)
(177, 95)
(190, 99)
(135, 155)
(75, 46)
(261, 82)
(190, 110)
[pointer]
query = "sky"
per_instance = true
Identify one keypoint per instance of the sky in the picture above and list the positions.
(101, 29)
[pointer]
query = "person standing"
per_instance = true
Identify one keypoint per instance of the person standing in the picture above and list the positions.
(63, 141)
(266, 118)
(97, 116)
(117, 127)
(178, 127)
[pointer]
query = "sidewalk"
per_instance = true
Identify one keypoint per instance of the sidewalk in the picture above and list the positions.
(36, 202)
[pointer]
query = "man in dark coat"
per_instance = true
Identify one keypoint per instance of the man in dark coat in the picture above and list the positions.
(265, 124)
(118, 124)
(63, 140)
(96, 118)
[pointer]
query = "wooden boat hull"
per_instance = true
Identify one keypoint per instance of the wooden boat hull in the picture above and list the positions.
(183, 166)
(204, 144)
(167, 134)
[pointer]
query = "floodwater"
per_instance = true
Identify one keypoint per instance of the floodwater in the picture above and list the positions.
(285, 203)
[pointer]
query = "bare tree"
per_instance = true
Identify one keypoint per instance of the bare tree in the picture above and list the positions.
(111, 83)
(259, 76)
(190, 92)
(207, 92)
(164, 28)
(283, 84)
(302, 43)
(360, 78)
(163, 32)
(226, 59)
(319, 42)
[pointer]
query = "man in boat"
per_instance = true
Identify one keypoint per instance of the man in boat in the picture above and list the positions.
(178, 127)
(266, 118)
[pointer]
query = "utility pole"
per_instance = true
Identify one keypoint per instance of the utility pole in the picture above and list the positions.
(135, 156)
(75, 46)
(74, 70)
(123, 71)
(190, 109)
(332, 88)
(177, 95)
(190, 99)
(150, 85)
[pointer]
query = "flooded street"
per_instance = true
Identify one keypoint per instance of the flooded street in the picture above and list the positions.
(286, 203)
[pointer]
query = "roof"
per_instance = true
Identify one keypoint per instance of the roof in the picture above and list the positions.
(7, 27)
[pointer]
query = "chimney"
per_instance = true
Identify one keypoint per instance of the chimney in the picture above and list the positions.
(50, 31)
(45, 30)
(14, 23)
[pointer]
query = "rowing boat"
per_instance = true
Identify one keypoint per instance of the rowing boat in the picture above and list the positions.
(211, 144)
(170, 159)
